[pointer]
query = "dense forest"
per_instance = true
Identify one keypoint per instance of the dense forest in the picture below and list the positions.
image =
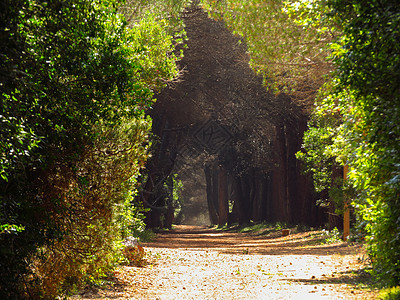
(219, 123)
(88, 156)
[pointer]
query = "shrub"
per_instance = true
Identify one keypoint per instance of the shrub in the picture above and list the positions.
(75, 84)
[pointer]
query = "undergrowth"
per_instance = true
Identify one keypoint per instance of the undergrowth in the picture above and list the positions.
(390, 293)
(145, 236)
(317, 235)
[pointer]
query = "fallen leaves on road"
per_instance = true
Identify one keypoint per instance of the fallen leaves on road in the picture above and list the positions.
(201, 263)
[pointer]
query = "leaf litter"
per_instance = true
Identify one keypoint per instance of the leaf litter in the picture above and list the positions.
(192, 262)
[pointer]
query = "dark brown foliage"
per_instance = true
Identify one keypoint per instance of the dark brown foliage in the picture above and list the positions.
(254, 135)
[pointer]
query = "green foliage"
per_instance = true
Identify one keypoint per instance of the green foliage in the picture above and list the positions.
(129, 215)
(75, 84)
(288, 53)
(390, 293)
(7, 228)
(368, 67)
(256, 228)
(320, 157)
(365, 91)
(324, 237)
(165, 10)
(177, 201)
(332, 237)
(354, 47)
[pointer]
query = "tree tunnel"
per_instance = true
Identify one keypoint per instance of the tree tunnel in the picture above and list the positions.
(229, 141)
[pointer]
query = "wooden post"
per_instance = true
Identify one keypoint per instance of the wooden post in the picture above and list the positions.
(346, 215)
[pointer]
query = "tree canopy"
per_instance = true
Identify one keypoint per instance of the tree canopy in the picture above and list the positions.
(290, 53)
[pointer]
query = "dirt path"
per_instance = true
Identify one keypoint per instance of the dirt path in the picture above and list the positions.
(200, 263)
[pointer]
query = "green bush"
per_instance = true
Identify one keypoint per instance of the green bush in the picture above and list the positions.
(355, 121)
(75, 84)
(390, 293)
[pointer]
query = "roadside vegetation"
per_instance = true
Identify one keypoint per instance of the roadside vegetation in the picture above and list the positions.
(316, 235)
(76, 80)
(339, 60)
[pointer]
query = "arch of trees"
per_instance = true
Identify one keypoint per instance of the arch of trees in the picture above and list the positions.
(338, 60)
(220, 117)
(77, 83)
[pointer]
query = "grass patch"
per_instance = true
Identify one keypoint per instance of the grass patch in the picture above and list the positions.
(260, 228)
(145, 236)
(317, 236)
(255, 228)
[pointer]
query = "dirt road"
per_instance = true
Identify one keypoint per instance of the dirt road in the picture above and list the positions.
(201, 263)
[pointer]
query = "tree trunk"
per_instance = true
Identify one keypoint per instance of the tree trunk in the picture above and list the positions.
(239, 202)
(223, 205)
(210, 195)
(169, 217)
(279, 178)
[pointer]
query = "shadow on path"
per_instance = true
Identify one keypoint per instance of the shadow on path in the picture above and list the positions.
(200, 237)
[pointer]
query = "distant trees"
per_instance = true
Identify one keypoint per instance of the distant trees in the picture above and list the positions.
(75, 83)
(350, 50)
(220, 119)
